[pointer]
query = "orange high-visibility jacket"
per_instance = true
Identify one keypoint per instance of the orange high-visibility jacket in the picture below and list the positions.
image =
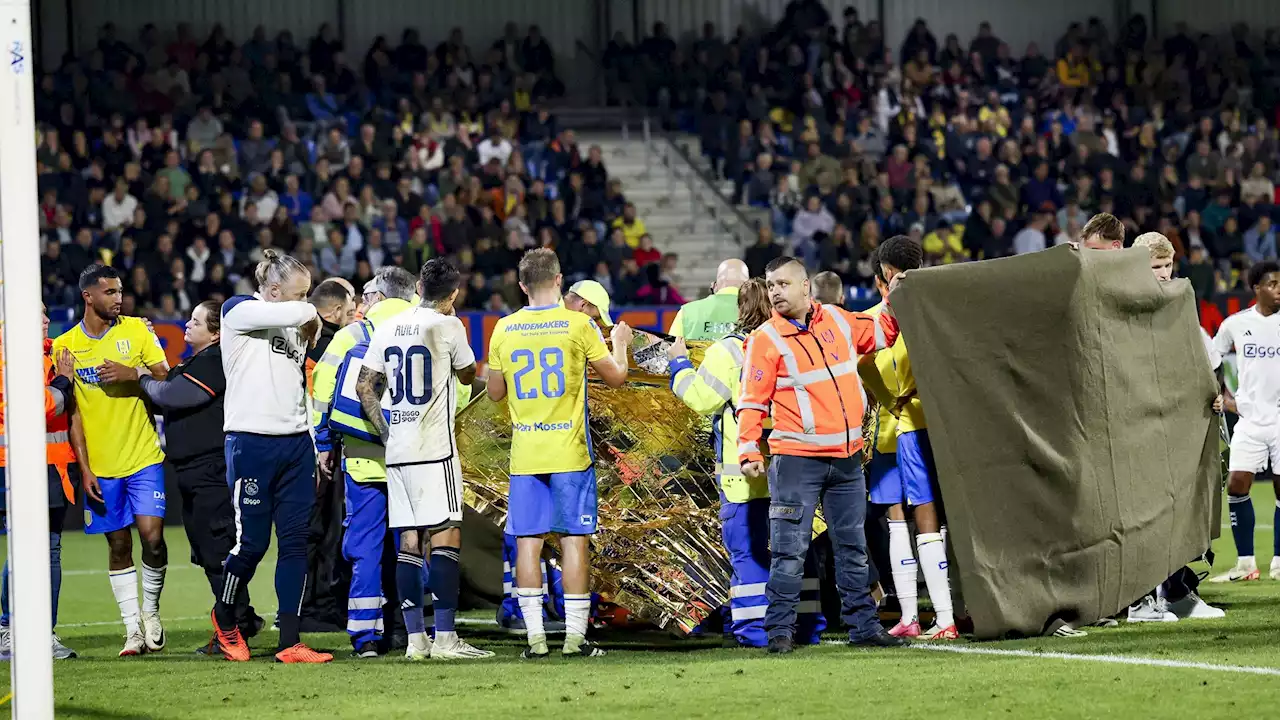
(806, 379)
(58, 450)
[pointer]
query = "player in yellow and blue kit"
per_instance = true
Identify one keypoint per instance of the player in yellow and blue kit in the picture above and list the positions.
(541, 354)
(917, 484)
(118, 449)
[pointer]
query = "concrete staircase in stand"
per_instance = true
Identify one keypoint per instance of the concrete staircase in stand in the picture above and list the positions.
(679, 209)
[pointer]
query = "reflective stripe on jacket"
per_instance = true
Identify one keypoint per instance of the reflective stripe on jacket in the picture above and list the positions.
(365, 462)
(58, 452)
(805, 378)
(712, 390)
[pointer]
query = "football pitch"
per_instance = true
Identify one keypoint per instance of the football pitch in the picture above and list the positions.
(1202, 669)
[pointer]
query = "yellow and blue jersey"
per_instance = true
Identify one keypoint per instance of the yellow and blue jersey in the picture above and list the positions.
(543, 353)
(118, 428)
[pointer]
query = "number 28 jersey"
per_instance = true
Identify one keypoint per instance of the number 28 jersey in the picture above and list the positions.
(543, 353)
(417, 351)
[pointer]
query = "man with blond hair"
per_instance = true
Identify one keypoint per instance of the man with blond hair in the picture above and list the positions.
(1176, 598)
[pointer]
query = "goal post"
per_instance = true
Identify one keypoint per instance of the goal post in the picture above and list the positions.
(31, 670)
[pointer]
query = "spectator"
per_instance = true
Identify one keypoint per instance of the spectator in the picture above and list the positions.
(1032, 237)
(494, 147)
(645, 253)
(657, 289)
(632, 227)
(762, 252)
(1260, 240)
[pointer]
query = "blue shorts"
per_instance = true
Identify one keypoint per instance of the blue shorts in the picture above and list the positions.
(561, 503)
(883, 479)
(916, 468)
(141, 493)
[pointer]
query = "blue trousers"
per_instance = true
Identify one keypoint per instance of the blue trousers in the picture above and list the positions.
(363, 545)
(272, 480)
(56, 517)
(744, 529)
(797, 485)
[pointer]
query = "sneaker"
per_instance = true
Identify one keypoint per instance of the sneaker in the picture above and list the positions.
(229, 642)
(135, 644)
(1244, 571)
(457, 649)
(1151, 609)
(1275, 568)
(60, 651)
(910, 630)
(1106, 622)
(881, 639)
(537, 649)
(1192, 607)
(6, 644)
(367, 649)
(302, 654)
(942, 633)
(153, 631)
(1066, 631)
(210, 648)
(585, 648)
(417, 652)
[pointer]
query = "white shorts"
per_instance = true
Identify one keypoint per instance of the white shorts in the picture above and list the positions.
(425, 495)
(1253, 446)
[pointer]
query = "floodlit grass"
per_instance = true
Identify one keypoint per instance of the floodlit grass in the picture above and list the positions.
(649, 675)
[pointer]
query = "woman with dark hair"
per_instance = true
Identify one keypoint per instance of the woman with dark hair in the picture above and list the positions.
(191, 400)
(712, 389)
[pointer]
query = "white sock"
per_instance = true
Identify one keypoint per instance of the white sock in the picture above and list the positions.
(124, 585)
(577, 610)
(531, 608)
(1247, 561)
(421, 641)
(903, 570)
(447, 639)
(152, 584)
(933, 560)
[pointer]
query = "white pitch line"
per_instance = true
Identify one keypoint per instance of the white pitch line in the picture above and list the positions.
(175, 568)
(1227, 526)
(1108, 659)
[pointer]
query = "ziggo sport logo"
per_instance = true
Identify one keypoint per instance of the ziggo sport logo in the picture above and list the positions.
(1252, 350)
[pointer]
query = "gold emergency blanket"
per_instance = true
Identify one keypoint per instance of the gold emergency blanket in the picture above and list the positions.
(657, 552)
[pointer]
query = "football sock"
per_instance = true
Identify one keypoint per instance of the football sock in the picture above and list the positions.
(55, 576)
(444, 587)
(903, 569)
(1275, 531)
(409, 587)
(224, 607)
(4, 596)
(933, 560)
(152, 584)
(577, 610)
(1242, 522)
(531, 609)
(291, 587)
(124, 585)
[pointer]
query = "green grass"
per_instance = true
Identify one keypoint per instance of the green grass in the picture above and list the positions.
(649, 675)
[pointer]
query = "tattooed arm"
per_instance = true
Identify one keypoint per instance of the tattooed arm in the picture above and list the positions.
(369, 387)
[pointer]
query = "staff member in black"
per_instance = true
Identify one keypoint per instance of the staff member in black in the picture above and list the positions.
(191, 399)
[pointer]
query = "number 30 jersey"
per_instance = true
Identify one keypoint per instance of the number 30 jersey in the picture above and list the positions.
(543, 353)
(417, 351)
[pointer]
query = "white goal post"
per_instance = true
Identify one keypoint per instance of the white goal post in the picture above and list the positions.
(31, 670)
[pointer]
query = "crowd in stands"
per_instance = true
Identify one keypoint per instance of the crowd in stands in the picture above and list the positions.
(179, 160)
(976, 150)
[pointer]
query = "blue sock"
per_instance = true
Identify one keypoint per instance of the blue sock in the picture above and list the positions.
(1275, 531)
(291, 584)
(445, 578)
(55, 572)
(409, 586)
(1242, 522)
(4, 599)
